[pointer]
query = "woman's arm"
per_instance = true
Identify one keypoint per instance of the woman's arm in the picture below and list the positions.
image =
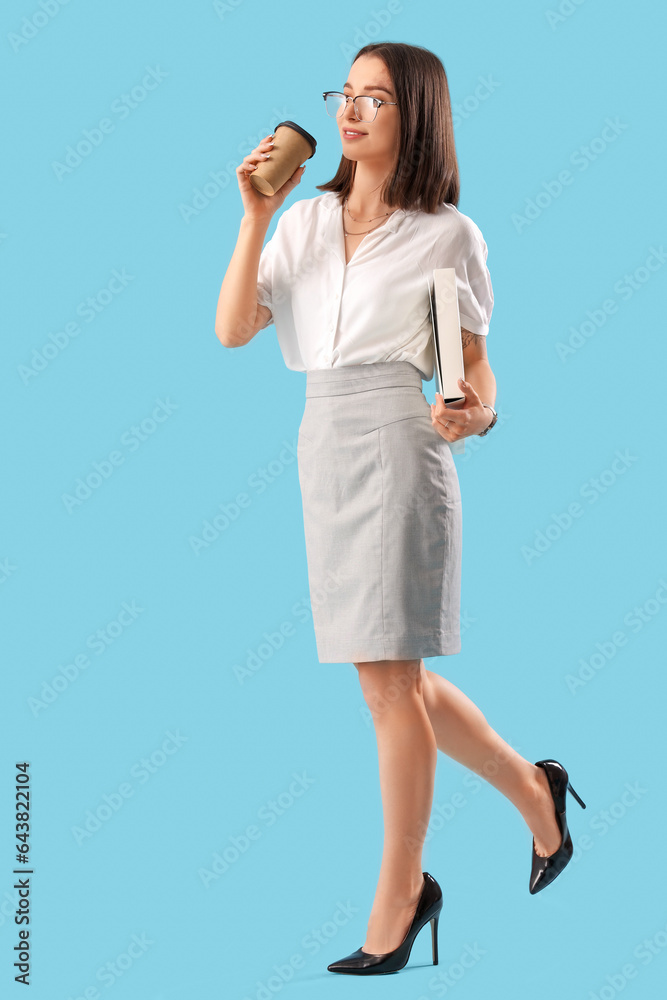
(477, 368)
(239, 316)
(470, 417)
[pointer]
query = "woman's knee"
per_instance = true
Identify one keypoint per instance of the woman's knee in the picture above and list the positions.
(389, 682)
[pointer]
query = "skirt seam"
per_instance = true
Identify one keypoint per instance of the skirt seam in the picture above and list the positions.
(381, 536)
(314, 372)
(411, 416)
(312, 390)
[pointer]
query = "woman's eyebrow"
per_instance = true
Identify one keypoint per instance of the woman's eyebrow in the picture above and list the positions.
(370, 87)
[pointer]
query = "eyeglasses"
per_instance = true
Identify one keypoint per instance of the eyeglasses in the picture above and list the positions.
(365, 108)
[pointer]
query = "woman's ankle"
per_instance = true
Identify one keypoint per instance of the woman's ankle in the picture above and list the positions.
(398, 893)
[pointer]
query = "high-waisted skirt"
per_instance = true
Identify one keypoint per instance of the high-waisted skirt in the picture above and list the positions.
(382, 516)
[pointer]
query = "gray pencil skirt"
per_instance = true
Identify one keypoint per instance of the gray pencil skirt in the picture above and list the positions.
(382, 516)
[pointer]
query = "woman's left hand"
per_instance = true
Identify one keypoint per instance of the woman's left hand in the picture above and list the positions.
(466, 418)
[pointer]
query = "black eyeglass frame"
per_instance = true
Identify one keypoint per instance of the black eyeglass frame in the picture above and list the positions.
(339, 93)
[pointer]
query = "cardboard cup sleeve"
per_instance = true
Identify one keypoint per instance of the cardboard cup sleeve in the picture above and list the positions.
(292, 145)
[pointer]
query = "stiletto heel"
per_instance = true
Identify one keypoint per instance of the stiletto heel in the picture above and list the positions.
(545, 870)
(434, 937)
(571, 789)
(364, 963)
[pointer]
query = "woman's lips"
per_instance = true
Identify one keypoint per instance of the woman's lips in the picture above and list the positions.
(352, 135)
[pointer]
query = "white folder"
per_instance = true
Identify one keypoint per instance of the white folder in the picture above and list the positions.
(447, 344)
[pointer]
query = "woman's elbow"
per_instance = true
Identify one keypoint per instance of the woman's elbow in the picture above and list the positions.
(241, 333)
(225, 339)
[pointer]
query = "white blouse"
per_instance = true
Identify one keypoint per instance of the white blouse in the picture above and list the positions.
(375, 308)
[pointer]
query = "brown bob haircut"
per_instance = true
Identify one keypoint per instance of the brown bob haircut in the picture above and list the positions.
(426, 172)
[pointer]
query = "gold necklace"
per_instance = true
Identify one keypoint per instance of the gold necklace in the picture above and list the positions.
(364, 231)
(362, 220)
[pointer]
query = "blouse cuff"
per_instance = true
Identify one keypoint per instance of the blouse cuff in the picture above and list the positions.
(474, 325)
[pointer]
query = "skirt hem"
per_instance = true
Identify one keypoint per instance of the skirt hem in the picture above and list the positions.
(407, 648)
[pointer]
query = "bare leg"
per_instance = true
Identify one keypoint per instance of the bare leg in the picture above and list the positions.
(407, 754)
(462, 732)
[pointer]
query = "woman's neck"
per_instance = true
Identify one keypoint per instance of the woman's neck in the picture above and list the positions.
(363, 201)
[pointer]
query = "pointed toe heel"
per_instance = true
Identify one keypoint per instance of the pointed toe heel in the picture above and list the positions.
(364, 963)
(544, 870)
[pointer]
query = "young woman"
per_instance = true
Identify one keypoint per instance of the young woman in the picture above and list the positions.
(344, 279)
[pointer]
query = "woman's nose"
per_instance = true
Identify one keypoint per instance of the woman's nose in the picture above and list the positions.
(349, 114)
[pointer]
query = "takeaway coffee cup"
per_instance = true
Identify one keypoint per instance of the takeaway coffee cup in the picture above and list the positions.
(291, 146)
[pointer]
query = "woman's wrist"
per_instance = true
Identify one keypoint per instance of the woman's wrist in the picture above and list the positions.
(256, 221)
(492, 415)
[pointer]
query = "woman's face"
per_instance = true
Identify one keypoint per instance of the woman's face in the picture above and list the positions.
(380, 139)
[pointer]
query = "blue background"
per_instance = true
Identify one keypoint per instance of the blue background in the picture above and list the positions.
(564, 620)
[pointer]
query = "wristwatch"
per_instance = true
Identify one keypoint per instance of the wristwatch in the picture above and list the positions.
(495, 417)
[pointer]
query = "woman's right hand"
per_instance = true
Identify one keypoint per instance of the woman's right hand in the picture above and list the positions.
(256, 205)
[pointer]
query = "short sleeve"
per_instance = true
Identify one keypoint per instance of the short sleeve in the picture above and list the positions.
(467, 253)
(269, 261)
(265, 273)
(265, 278)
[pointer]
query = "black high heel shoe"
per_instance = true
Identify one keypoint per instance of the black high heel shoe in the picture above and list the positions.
(545, 870)
(364, 963)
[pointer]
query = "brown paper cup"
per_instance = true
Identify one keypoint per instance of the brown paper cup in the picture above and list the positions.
(292, 145)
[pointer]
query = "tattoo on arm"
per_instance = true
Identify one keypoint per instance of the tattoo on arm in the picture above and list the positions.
(471, 338)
